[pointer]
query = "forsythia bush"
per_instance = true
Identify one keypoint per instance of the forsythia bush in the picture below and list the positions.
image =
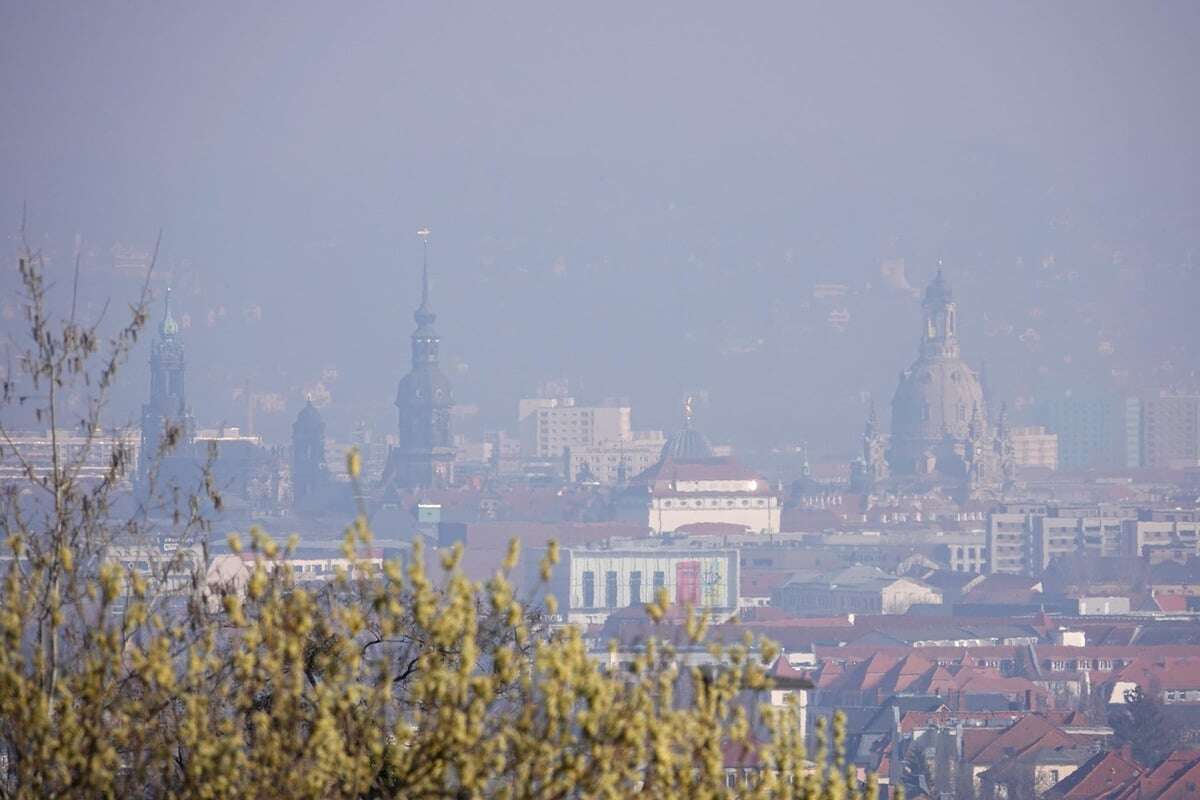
(119, 682)
(381, 686)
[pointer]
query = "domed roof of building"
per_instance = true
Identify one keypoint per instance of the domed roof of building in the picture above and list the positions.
(939, 395)
(936, 397)
(686, 444)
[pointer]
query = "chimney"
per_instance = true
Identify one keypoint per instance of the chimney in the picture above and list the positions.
(1029, 699)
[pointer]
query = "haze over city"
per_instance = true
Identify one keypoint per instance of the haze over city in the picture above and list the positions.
(737, 203)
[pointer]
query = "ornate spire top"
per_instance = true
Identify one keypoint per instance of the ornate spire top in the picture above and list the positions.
(168, 327)
(940, 338)
(424, 314)
(939, 288)
(688, 413)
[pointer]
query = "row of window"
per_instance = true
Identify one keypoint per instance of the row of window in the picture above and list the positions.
(610, 588)
(758, 502)
(1098, 664)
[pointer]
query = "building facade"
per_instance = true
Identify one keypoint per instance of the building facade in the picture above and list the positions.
(551, 426)
(91, 456)
(615, 462)
(674, 495)
(1024, 541)
(591, 583)
(854, 590)
(1034, 446)
(1091, 431)
(1170, 430)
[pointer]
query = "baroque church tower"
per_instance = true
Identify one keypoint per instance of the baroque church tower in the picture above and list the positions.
(168, 403)
(424, 457)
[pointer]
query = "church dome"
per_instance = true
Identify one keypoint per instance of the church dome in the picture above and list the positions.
(935, 398)
(688, 444)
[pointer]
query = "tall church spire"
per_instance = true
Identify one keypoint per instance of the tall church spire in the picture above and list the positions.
(424, 339)
(168, 326)
(167, 404)
(424, 314)
(424, 456)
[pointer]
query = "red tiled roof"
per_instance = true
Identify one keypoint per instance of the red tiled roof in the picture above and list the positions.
(1164, 672)
(782, 668)
(1101, 775)
(1027, 732)
(1177, 777)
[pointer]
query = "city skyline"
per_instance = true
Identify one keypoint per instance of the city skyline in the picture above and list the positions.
(791, 183)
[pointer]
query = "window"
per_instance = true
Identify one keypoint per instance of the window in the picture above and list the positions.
(610, 589)
(635, 587)
(687, 582)
(589, 590)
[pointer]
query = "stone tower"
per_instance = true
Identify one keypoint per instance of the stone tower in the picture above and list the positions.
(167, 404)
(424, 456)
(310, 476)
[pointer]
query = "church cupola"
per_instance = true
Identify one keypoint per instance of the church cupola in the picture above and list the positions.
(941, 320)
(687, 444)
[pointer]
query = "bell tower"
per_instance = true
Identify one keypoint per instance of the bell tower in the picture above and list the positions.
(424, 456)
(167, 404)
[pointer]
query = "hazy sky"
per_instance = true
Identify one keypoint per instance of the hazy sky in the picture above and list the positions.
(640, 199)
